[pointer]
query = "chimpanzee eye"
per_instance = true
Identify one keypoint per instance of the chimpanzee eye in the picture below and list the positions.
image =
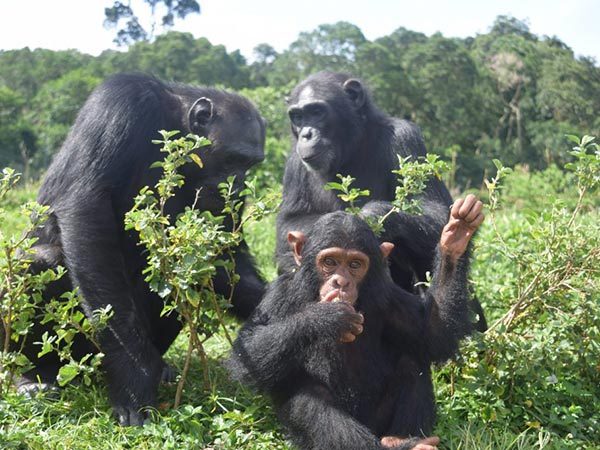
(295, 116)
(315, 111)
(355, 264)
(330, 262)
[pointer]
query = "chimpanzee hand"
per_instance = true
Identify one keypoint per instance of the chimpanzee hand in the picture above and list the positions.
(341, 319)
(399, 443)
(465, 217)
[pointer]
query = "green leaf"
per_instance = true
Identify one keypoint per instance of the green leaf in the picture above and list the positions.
(67, 373)
(197, 160)
(586, 140)
(333, 185)
(572, 138)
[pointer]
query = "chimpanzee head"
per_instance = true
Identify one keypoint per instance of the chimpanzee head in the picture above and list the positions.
(328, 113)
(344, 254)
(234, 127)
(237, 135)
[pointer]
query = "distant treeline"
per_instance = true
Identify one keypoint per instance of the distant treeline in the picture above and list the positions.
(507, 94)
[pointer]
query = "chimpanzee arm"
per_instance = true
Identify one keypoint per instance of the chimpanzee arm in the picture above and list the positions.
(446, 302)
(447, 307)
(314, 422)
(278, 339)
(250, 288)
(90, 241)
(436, 323)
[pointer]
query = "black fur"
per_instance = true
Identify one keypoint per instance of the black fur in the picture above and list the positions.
(90, 185)
(332, 395)
(355, 138)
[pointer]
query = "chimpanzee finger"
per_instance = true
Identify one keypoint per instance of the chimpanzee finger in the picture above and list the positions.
(474, 212)
(347, 337)
(433, 440)
(467, 205)
(452, 224)
(477, 221)
(456, 207)
(356, 329)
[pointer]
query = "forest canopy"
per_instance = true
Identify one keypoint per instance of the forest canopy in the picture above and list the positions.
(506, 94)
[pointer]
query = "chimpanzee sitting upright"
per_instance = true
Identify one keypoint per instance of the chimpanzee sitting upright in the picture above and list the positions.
(337, 129)
(89, 186)
(343, 351)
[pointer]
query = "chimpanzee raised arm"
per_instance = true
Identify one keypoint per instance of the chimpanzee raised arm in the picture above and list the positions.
(446, 300)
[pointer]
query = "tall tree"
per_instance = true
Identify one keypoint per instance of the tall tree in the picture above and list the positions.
(329, 46)
(17, 139)
(129, 29)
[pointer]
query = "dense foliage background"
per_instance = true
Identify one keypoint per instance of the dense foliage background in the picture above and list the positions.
(532, 381)
(507, 94)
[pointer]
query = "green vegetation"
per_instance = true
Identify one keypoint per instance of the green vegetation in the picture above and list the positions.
(185, 252)
(505, 94)
(530, 382)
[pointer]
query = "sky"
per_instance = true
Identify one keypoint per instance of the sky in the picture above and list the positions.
(243, 24)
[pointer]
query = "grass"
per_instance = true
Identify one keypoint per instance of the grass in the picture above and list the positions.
(228, 417)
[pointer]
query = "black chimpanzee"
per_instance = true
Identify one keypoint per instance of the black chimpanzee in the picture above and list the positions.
(338, 129)
(89, 186)
(343, 351)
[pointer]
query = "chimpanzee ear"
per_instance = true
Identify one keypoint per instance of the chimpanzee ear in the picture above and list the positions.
(201, 113)
(355, 92)
(386, 249)
(296, 239)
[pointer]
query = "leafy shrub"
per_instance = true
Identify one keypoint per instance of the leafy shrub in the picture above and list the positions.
(537, 273)
(185, 252)
(21, 302)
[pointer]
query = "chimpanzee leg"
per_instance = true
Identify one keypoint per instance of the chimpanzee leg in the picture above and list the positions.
(414, 407)
(315, 423)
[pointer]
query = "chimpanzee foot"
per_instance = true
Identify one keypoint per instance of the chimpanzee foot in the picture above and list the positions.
(128, 416)
(30, 388)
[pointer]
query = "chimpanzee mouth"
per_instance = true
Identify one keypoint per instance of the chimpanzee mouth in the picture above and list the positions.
(335, 296)
(310, 158)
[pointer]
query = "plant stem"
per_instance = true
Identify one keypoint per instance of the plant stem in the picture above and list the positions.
(186, 368)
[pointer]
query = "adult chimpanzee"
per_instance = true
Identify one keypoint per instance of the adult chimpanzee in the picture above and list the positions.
(90, 185)
(338, 129)
(344, 352)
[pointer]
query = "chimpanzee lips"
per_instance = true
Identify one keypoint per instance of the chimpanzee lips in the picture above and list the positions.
(336, 295)
(310, 157)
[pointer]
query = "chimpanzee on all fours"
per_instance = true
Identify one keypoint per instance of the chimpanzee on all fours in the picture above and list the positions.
(89, 186)
(337, 129)
(345, 352)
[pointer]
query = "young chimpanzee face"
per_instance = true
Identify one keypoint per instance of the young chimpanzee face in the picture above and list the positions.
(339, 265)
(341, 271)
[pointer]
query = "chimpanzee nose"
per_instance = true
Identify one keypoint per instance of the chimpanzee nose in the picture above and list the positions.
(306, 134)
(340, 281)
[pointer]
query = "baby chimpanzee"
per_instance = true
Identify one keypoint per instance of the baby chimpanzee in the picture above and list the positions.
(343, 351)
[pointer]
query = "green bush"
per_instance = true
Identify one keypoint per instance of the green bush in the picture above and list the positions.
(537, 274)
(21, 302)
